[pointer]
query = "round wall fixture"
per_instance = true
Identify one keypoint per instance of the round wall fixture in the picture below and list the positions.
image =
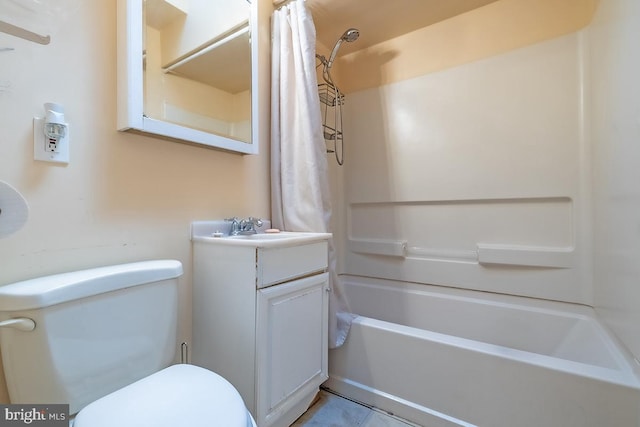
(13, 210)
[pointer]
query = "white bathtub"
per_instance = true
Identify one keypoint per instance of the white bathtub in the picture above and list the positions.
(448, 357)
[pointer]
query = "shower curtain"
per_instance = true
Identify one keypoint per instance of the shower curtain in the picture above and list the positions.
(300, 199)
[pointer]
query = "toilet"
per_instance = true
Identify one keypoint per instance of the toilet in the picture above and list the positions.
(103, 341)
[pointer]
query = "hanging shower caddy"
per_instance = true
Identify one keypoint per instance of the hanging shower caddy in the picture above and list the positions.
(331, 102)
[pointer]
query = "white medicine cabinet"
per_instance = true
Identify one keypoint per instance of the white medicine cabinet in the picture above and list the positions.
(195, 71)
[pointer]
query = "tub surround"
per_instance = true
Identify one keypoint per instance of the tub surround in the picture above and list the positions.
(508, 173)
(615, 100)
(475, 176)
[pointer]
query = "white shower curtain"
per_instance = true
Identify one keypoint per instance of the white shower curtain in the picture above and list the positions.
(300, 199)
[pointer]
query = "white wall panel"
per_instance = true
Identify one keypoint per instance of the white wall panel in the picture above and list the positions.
(484, 156)
(615, 67)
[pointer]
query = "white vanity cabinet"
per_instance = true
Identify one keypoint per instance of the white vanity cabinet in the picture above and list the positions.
(260, 306)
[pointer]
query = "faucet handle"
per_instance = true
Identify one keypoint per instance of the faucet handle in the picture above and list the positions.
(255, 221)
(248, 225)
(235, 225)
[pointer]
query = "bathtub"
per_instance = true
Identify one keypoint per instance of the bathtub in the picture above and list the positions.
(440, 356)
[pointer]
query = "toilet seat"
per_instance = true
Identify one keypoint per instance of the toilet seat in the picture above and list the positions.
(178, 395)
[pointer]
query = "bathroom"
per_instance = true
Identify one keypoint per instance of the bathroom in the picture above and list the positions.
(529, 131)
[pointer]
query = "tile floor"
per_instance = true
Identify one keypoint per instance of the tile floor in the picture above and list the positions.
(334, 411)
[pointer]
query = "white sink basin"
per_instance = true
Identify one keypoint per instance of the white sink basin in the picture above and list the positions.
(208, 231)
(265, 239)
(266, 236)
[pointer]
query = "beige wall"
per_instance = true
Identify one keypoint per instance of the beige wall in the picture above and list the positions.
(123, 197)
(490, 30)
(401, 140)
(470, 133)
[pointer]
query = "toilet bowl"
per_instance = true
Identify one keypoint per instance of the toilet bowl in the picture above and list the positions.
(180, 395)
(103, 340)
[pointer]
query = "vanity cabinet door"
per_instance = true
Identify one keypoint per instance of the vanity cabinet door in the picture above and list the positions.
(291, 344)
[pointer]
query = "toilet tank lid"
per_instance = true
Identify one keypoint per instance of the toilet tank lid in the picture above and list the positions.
(50, 290)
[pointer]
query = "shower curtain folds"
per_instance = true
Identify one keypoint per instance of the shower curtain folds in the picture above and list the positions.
(300, 196)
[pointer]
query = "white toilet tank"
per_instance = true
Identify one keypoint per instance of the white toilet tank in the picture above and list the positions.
(95, 331)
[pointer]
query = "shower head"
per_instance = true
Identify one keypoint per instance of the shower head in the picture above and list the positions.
(350, 35)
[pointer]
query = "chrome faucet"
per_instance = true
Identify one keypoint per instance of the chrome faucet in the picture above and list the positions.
(244, 226)
(235, 225)
(248, 225)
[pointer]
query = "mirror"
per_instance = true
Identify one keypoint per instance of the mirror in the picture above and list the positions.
(188, 70)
